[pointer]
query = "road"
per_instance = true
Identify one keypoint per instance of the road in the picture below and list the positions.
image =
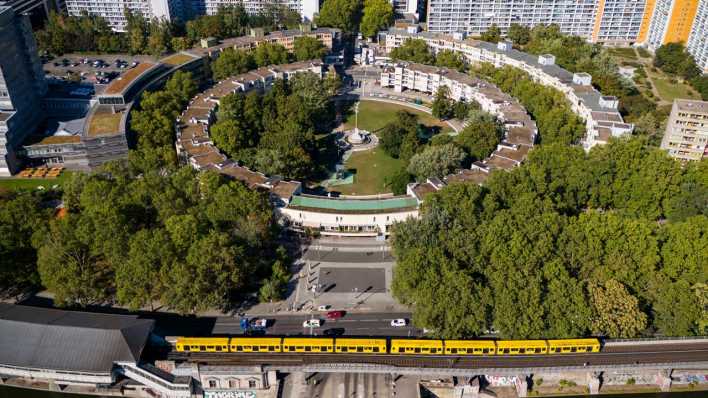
(332, 255)
(368, 324)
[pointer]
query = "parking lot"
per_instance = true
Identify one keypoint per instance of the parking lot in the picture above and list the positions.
(99, 69)
(352, 280)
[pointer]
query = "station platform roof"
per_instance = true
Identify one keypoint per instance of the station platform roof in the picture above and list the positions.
(52, 339)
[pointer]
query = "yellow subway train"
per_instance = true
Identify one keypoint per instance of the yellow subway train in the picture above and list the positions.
(392, 346)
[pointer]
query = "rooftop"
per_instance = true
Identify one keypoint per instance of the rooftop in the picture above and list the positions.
(178, 59)
(46, 338)
(353, 205)
(691, 105)
(104, 122)
(123, 81)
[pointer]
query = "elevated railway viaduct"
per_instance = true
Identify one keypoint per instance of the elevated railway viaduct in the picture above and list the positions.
(654, 359)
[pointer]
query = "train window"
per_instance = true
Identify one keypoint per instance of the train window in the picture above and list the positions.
(401, 349)
(505, 351)
(376, 349)
(210, 347)
(417, 350)
(271, 348)
(360, 349)
(239, 348)
(264, 347)
(186, 348)
(255, 348)
(202, 348)
(343, 349)
(522, 350)
(538, 350)
(453, 350)
(291, 348)
(588, 348)
(218, 348)
(485, 351)
(307, 349)
(574, 349)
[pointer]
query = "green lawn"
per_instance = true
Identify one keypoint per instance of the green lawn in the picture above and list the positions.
(373, 115)
(669, 91)
(11, 184)
(370, 170)
(623, 52)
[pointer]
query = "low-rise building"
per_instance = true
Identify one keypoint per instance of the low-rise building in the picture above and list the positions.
(686, 135)
(600, 113)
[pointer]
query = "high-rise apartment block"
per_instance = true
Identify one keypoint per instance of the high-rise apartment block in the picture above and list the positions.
(22, 86)
(407, 6)
(686, 135)
(610, 20)
(648, 22)
(114, 12)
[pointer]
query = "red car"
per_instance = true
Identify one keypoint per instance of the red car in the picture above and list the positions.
(335, 314)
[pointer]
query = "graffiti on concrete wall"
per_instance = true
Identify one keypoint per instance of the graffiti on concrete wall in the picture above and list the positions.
(229, 394)
(500, 381)
(690, 378)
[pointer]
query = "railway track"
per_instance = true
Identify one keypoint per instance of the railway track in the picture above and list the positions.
(636, 355)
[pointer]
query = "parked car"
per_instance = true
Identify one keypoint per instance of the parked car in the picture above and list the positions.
(260, 323)
(333, 332)
(324, 307)
(312, 323)
(335, 314)
(398, 322)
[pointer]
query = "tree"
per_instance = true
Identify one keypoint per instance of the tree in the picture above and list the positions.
(436, 161)
(273, 288)
(616, 311)
(137, 28)
(68, 268)
(270, 54)
(232, 62)
(519, 34)
(341, 14)
(307, 47)
(398, 181)
(414, 50)
(21, 217)
(393, 135)
(492, 35)
(158, 40)
(481, 135)
(450, 59)
(443, 105)
(378, 15)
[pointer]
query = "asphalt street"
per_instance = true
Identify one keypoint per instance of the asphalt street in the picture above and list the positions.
(331, 255)
(369, 324)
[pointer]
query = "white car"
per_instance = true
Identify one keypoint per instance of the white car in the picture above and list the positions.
(324, 307)
(312, 323)
(398, 322)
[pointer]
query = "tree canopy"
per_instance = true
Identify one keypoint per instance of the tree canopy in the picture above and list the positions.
(565, 245)
(377, 15)
(341, 14)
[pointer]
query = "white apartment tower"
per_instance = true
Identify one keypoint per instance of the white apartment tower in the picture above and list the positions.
(698, 40)
(113, 11)
(686, 135)
(306, 8)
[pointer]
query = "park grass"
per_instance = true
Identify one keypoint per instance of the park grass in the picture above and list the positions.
(669, 91)
(370, 170)
(177, 59)
(623, 52)
(374, 115)
(13, 184)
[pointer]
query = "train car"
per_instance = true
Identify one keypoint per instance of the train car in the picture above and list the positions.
(312, 344)
(202, 344)
(255, 344)
(522, 347)
(411, 346)
(470, 347)
(360, 346)
(570, 346)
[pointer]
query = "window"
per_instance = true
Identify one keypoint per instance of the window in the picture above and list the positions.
(218, 348)
(213, 383)
(344, 349)
(239, 348)
(255, 348)
(376, 349)
(417, 350)
(233, 383)
(186, 348)
(360, 349)
(400, 349)
(202, 348)
(251, 383)
(538, 350)
(271, 348)
(307, 349)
